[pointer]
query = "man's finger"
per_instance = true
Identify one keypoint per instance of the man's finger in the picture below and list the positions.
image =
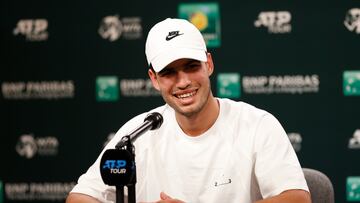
(164, 196)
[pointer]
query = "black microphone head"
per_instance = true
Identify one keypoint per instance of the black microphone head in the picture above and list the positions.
(156, 120)
(117, 167)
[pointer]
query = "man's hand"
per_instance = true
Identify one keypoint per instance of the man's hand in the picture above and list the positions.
(167, 199)
(293, 196)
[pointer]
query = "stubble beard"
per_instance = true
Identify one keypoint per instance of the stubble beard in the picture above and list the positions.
(193, 110)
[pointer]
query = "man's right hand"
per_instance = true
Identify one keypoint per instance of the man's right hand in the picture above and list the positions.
(167, 199)
(82, 198)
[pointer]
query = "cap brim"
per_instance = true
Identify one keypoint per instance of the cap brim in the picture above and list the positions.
(165, 58)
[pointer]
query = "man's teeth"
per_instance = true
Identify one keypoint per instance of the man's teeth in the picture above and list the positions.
(181, 96)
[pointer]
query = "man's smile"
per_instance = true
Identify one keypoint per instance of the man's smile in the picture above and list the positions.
(185, 95)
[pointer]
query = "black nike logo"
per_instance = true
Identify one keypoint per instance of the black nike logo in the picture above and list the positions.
(172, 35)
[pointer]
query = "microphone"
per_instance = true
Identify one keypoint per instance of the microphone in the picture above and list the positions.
(117, 166)
(152, 121)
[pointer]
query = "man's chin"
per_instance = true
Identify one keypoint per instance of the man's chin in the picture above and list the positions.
(187, 111)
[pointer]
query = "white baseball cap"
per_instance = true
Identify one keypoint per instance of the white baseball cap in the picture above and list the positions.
(173, 39)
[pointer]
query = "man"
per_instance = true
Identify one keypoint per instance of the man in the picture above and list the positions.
(208, 149)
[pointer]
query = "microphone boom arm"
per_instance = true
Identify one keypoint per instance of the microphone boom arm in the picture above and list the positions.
(151, 122)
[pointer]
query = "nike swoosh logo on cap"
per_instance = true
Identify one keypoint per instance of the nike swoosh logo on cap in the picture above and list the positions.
(172, 35)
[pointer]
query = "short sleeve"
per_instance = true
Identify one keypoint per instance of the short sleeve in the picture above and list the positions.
(90, 183)
(276, 165)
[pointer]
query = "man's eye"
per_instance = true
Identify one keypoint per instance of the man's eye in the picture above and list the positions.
(192, 66)
(166, 72)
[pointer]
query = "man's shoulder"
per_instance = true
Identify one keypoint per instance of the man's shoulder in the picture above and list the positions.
(241, 108)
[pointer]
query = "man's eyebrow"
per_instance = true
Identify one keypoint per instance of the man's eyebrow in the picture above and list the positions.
(192, 61)
(169, 68)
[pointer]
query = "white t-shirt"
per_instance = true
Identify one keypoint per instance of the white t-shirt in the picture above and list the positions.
(245, 156)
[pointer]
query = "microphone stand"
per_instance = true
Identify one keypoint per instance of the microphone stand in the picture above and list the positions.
(120, 196)
(118, 167)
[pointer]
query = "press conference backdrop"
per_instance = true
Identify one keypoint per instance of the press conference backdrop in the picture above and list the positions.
(73, 72)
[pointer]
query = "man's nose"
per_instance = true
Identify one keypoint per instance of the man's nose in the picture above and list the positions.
(183, 80)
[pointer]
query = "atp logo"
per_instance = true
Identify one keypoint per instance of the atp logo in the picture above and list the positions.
(352, 20)
(275, 21)
(115, 166)
(32, 29)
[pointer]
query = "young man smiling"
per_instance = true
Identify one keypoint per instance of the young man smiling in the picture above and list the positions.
(185, 86)
(208, 149)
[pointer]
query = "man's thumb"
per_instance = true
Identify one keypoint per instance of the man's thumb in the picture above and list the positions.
(164, 196)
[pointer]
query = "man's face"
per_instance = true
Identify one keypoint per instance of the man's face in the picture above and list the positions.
(185, 85)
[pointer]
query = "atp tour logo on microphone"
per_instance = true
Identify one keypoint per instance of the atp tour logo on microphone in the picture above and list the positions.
(115, 166)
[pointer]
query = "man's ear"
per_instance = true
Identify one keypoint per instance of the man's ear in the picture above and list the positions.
(209, 64)
(153, 78)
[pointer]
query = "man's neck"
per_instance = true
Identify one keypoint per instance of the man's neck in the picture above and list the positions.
(200, 122)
